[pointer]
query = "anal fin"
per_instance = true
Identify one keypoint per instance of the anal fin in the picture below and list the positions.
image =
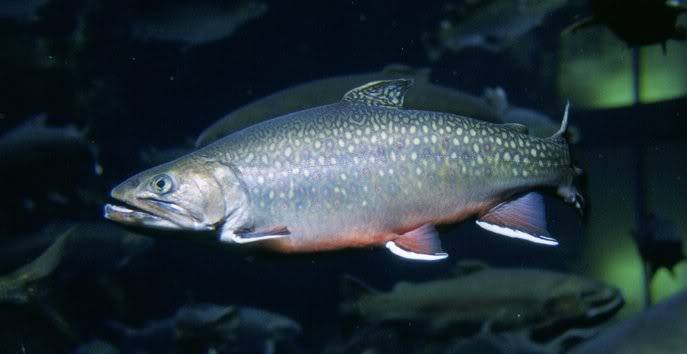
(253, 235)
(419, 244)
(521, 218)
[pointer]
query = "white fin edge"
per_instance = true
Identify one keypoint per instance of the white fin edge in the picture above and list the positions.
(412, 255)
(517, 234)
(232, 237)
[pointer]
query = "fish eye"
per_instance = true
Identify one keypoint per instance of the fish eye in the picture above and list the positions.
(161, 184)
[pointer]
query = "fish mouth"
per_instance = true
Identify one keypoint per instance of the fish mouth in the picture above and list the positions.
(153, 213)
(130, 216)
(604, 304)
(599, 306)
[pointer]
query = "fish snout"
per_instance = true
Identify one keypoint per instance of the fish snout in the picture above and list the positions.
(123, 189)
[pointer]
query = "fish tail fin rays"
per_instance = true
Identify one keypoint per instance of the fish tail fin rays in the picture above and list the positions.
(522, 218)
(567, 189)
(421, 244)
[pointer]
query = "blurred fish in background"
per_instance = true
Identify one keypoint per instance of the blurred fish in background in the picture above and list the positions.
(194, 23)
(661, 329)
(210, 328)
(534, 305)
(490, 24)
(42, 149)
(43, 285)
(638, 22)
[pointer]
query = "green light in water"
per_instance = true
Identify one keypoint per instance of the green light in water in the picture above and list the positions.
(595, 70)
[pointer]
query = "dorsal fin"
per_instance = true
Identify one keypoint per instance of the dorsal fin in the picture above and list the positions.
(386, 93)
(522, 129)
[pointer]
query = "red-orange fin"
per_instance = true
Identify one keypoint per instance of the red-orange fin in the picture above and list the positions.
(521, 218)
(420, 244)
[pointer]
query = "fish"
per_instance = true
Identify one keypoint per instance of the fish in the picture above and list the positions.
(661, 329)
(519, 301)
(86, 249)
(637, 23)
(18, 286)
(424, 95)
(29, 155)
(362, 172)
(211, 328)
(101, 246)
(492, 25)
(197, 23)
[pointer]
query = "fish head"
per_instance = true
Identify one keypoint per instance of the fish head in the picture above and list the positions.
(185, 194)
(584, 300)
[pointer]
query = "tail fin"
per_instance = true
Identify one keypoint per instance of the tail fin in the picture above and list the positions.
(567, 190)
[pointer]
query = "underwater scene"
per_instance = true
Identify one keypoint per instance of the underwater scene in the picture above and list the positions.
(335, 177)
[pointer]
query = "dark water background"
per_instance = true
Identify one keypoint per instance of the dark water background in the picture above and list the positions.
(143, 94)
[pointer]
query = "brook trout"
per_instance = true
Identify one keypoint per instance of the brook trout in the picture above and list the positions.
(357, 173)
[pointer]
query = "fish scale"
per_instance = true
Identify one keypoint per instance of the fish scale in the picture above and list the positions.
(365, 171)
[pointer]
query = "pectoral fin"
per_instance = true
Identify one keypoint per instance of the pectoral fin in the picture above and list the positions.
(521, 218)
(420, 244)
(253, 235)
